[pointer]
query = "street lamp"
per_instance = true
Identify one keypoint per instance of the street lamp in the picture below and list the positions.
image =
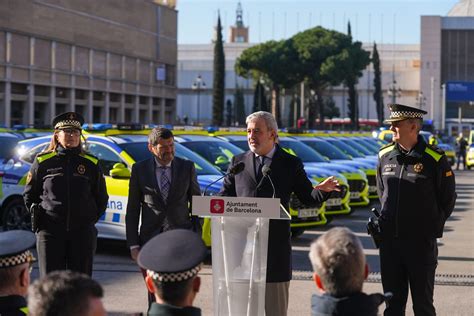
(393, 91)
(420, 100)
(198, 86)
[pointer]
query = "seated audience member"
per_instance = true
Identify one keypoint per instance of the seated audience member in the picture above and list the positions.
(15, 263)
(340, 269)
(65, 293)
(172, 260)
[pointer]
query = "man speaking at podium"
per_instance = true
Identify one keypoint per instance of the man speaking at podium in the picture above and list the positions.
(287, 174)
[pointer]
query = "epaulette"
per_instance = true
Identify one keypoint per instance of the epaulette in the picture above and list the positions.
(385, 149)
(45, 155)
(90, 157)
(436, 148)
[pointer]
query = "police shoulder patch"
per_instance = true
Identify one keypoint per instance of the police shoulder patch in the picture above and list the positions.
(91, 158)
(436, 148)
(385, 149)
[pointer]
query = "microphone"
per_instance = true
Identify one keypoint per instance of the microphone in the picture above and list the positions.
(266, 173)
(236, 169)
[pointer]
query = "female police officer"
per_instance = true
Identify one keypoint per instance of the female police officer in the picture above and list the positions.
(65, 191)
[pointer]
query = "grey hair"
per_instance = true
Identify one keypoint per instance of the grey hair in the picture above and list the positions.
(417, 122)
(338, 258)
(157, 133)
(269, 119)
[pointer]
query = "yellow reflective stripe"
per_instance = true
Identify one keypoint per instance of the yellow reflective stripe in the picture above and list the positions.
(385, 150)
(94, 160)
(24, 310)
(436, 156)
(46, 156)
(23, 179)
(289, 150)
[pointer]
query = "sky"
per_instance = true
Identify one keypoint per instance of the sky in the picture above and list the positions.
(382, 21)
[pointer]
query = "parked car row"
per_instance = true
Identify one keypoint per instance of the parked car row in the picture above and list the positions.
(351, 159)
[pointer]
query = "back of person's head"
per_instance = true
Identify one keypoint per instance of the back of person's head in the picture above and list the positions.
(15, 261)
(173, 260)
(65, 293)
(338, 262)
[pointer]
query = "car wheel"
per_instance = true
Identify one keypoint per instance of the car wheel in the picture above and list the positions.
(296, 232)
(15, 216)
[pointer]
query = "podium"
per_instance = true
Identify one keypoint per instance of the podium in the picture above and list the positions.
(239, 250)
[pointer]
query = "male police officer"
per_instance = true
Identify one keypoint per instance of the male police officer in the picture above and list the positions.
(15, 260)
(416, 188)
(172, 260)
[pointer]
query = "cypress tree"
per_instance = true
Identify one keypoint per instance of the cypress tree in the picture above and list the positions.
(378, 96)
(218, 93)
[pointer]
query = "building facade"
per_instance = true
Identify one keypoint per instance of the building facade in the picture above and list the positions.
(399, 63)
(110, 60)
(447, 67)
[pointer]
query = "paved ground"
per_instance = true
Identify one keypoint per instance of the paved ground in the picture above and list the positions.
(454, 291)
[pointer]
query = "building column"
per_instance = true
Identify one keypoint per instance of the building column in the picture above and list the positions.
(107, 107)
(90, 106)
(72, 96)
(8, 103)
(121, 117)
(52, 103)
(150, 109)
(31, 104)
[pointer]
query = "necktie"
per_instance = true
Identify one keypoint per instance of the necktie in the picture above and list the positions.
(164, 183)
(259, 169)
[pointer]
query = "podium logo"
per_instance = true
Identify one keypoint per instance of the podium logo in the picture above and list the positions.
(217, 206)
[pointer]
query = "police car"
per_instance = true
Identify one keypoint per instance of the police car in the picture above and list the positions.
(117, 151)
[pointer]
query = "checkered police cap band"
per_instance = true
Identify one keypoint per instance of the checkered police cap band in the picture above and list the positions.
(406, 114)
(24, 257)
(175, 276)
(68, 123)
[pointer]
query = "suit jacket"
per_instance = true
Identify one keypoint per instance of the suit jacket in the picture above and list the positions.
(144, 198)
(288, 175)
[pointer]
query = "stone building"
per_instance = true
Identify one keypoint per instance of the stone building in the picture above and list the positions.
(110, 60)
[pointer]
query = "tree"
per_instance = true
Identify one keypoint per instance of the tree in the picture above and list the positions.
(319, 51)
(277, 62)
(330, 108)
(239, 105)
(259, 98)
(378, 96)
(228, 117)
(218, 93)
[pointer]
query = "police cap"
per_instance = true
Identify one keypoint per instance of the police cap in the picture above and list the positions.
(400, 112)
(14, 248)
(68, 120)
(173, 256)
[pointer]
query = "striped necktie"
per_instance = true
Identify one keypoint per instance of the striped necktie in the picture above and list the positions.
(164, 183)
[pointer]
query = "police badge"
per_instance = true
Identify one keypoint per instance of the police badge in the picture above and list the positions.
(81, 169)
(418, 167)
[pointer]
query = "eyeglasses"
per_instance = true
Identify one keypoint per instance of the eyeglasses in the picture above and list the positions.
(71, 131)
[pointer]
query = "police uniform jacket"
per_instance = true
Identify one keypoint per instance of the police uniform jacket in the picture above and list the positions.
(13, 305)
(416, 190)
(69, 186)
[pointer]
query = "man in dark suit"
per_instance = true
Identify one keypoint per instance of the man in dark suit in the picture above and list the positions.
(288, 176)
(160, 191)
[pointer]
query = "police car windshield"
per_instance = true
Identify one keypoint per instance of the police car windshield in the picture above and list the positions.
(304, 152)
(139, 151)
(345, 148)
(242, 144)
(326, 149)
